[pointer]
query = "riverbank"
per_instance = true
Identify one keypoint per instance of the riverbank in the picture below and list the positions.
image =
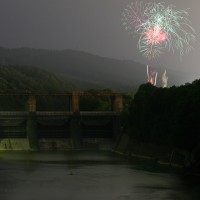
(172, 158)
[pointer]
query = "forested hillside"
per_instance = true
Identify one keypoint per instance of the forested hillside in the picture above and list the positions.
(23, 79)
(169, 116)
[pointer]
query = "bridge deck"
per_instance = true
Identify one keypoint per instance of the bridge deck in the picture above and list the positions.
(57, 113)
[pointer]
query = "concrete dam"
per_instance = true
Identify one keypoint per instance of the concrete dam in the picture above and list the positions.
(33, 129)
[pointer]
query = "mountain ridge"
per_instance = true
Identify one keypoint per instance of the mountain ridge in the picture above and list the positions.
(85, 68)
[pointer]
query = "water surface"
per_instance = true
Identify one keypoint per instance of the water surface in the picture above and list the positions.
(90, 176)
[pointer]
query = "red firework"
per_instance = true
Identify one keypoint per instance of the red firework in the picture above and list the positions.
(155, 36)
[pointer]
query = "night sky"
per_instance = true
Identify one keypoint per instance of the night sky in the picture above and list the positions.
(92, 26)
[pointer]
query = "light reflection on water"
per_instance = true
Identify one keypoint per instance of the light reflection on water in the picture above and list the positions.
(87, 175)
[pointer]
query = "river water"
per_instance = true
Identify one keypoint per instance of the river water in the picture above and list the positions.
(89, 176)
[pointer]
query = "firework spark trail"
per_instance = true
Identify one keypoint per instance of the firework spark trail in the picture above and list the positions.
(159, 27)
(165, 79)
(151, 76)
(133, 16)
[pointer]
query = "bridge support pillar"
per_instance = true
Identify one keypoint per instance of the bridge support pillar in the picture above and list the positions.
(31, 129)
(31, 104)
(75, 131)
(117, 103)
(117, 107)
(75, 102)
(31, 123)
(116, 127)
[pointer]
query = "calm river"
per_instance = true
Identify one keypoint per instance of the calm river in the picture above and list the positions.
(89, 176)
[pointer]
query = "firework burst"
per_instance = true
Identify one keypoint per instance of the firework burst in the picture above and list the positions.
(133, 16)
(159, 27)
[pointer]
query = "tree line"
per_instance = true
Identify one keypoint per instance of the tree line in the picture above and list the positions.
(169, 116)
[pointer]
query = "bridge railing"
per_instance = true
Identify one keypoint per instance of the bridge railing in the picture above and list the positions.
(13, 113)
(57, 113)
(98, 113)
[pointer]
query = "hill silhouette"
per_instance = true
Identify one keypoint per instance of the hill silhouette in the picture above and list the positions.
(84, 69)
